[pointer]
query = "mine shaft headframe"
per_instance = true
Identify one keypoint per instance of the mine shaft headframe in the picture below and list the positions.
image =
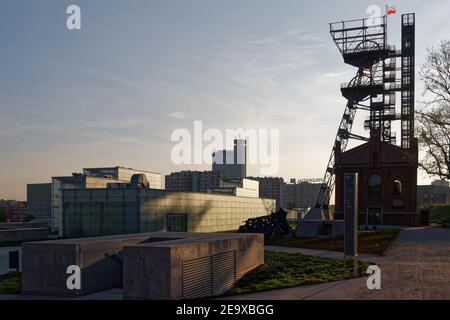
(362, 42)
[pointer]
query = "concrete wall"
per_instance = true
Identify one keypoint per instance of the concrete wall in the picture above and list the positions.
(23, 234)
(147, 265)
(45, 264)
(24, 225)
(205, 212)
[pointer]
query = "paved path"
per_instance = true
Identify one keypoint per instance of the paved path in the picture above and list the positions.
(339, 290)
(112, 294)
(417, 266)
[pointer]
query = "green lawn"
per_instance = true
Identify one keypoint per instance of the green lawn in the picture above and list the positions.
(440, 215)
(371, 242)
(10, 283)
(283, 270)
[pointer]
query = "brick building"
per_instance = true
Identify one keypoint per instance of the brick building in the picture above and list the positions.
(387, 182)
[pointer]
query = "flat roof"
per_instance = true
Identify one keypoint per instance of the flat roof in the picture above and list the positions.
(165, 190)
(120, 167)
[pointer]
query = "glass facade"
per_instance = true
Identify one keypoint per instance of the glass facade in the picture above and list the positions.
(95, 212)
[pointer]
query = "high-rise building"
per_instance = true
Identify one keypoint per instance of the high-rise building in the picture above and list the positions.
(205, 180)
(13, 209)
(194, 181)
(232, 163)
(39, 198)
(441, 183)
(435, 194)
(301, 195)
(179, 181)
(271, 188)
(19, 211)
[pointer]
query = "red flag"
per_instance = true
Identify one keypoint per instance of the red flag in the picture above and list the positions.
(391, 10)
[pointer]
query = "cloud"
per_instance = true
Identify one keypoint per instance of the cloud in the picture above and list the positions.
(334, 74)
(177, 115)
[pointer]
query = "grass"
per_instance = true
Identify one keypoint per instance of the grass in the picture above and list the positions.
(284, 270)
(292, 224)
(440, 215)
(371, 242)
(10, 283)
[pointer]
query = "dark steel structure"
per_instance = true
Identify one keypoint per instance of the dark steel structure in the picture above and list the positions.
(363, 44)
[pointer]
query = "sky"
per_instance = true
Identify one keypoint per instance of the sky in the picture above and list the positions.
(113, 92)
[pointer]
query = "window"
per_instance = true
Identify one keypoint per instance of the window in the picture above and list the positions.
(406, 61)
(406, 80)
(397, 188)
(176, 222)
(374, 185)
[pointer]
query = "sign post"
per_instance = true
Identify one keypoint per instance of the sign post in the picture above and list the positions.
(351, 219)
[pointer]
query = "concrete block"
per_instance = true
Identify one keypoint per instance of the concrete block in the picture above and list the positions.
(309, 228)
(146, 265)
(100, 259)
(146, 277)
(23, 234)
(337, 228)
(24, 225)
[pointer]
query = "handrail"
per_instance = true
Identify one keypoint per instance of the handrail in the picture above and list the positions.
(362, 20)
(347, 85)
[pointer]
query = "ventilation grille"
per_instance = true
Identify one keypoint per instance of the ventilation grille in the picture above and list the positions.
(197, 277)
(213, 275)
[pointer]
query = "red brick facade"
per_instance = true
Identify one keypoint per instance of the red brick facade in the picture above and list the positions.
(387, 182)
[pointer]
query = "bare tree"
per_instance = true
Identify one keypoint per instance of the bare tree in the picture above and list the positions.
(433, 118)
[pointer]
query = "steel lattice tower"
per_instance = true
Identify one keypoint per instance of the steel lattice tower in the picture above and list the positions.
(363, 44)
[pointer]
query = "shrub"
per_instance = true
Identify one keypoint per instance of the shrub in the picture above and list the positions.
(3, 216)
(10, 283)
